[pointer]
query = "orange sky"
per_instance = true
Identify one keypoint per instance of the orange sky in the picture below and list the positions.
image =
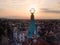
(45, 9)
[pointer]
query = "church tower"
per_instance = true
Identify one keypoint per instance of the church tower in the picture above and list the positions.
(32, 26)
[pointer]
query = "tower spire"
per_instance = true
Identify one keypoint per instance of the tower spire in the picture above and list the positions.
(32, 16)
(32, 25)
(32, 11)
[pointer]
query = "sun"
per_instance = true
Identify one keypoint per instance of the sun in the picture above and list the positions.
(34, 7)
(32, 10)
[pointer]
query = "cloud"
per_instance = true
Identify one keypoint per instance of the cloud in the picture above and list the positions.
(58, 2)
(50, 11)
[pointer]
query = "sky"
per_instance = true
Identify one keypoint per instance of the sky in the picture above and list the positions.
(19, 9)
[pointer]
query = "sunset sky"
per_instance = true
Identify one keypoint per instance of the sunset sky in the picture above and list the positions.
(19, 9)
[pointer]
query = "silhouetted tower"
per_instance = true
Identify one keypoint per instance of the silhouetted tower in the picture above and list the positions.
(32, 17)
(32, 26)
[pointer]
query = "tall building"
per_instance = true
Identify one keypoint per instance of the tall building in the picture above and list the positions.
(32, 26)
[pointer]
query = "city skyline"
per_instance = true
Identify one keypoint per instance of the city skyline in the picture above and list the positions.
(19, 9)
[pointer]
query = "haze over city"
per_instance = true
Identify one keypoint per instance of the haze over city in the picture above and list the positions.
(19, 9)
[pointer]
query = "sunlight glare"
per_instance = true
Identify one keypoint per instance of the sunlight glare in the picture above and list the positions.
(34, 7)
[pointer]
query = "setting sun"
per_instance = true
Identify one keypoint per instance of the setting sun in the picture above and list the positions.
(34, 7)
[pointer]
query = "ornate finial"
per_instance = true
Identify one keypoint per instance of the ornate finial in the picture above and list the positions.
(32, 11)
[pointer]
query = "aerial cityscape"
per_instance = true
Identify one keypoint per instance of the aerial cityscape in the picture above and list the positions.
(29, 22)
